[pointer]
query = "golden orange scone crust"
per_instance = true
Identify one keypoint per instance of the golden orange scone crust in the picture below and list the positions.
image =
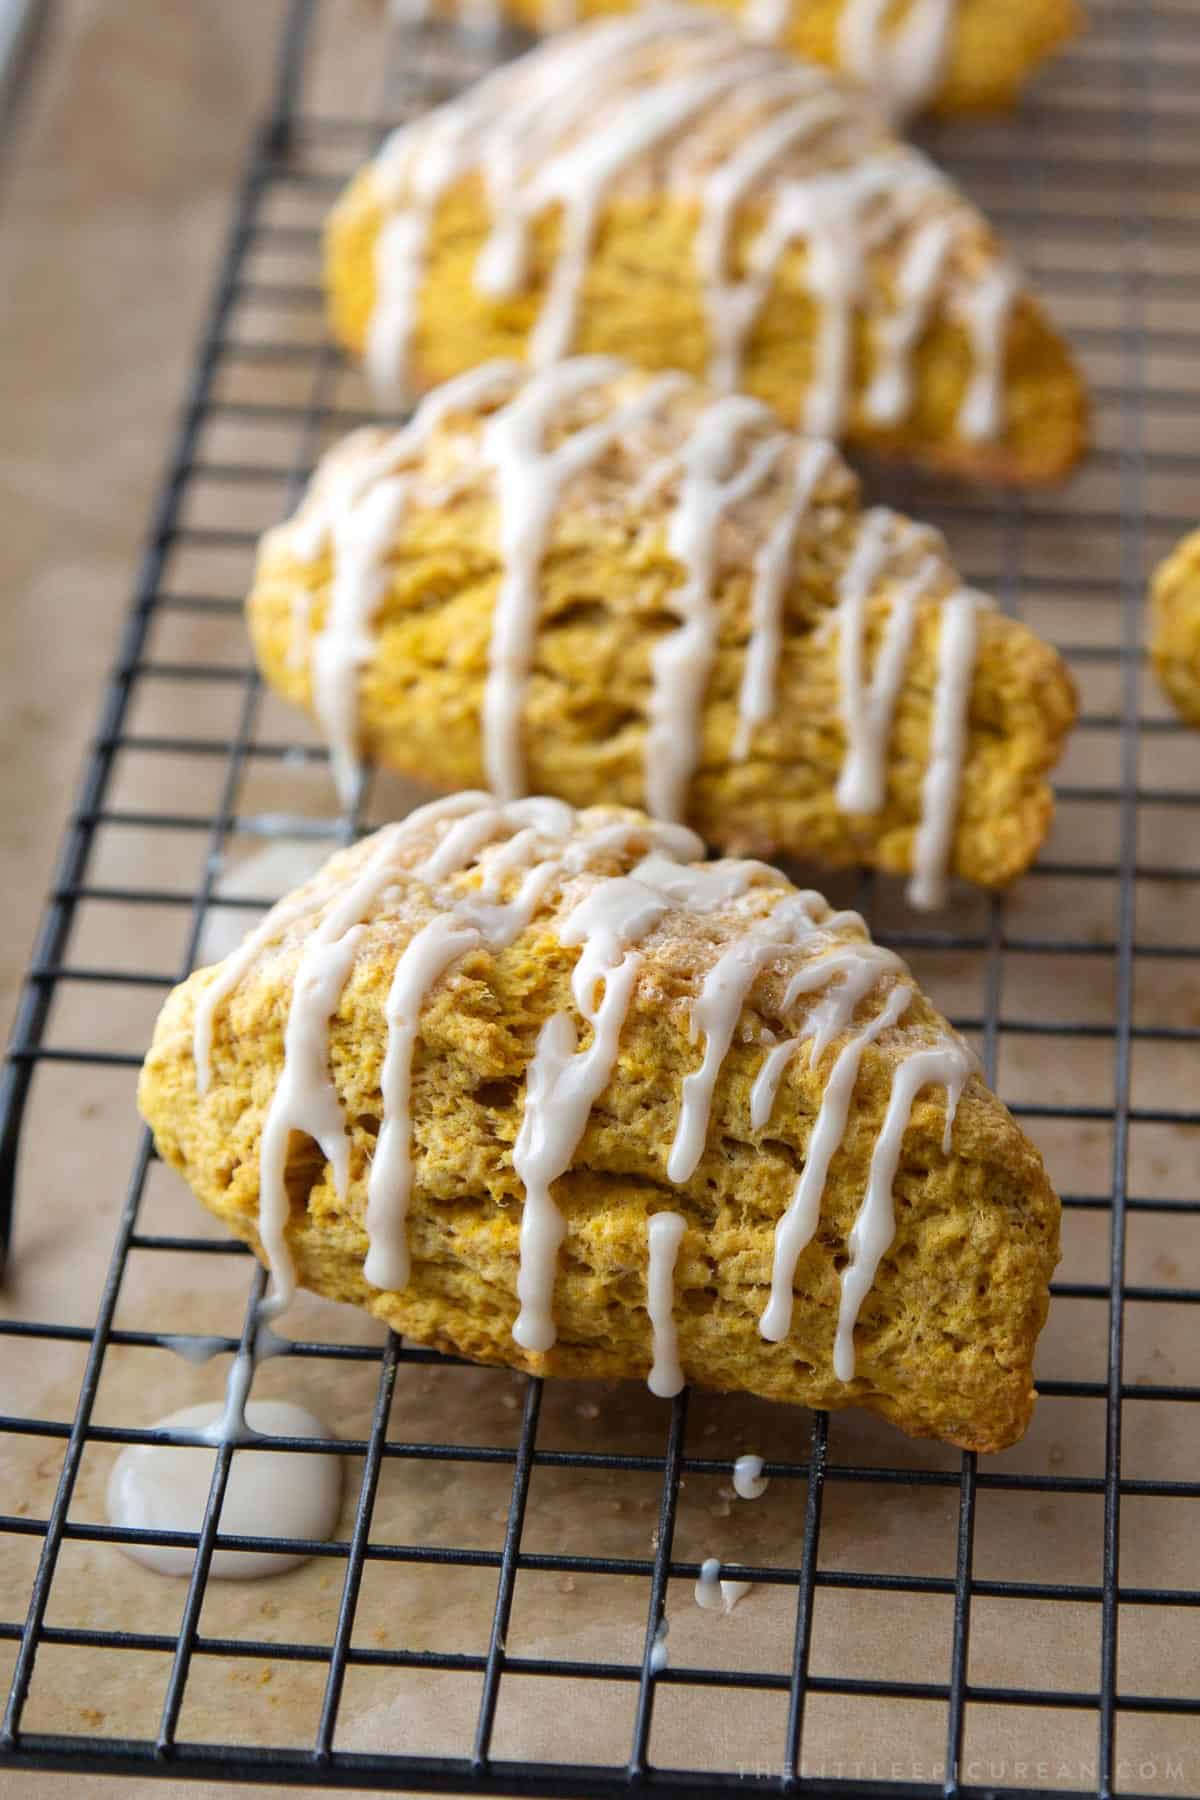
(606, 597)
(945, 1337)
(646, 288)
(994, 45)
(1175, 626)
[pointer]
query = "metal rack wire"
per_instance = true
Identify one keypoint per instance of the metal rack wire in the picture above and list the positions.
(1097, 184)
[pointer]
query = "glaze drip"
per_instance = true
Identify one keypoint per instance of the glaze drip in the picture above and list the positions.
(682, 661)
(664, 1234)
(530, 481)
(305, 1099)
(358, 512)
(749, 1482)
(902, 63)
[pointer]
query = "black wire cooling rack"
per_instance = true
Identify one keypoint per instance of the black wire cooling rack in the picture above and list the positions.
(1036, 1614)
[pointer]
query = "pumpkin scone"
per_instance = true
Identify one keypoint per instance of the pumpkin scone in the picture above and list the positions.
(543, 1088)
(606, 585)
(953, 56)
(1175, 626)
(657, 188)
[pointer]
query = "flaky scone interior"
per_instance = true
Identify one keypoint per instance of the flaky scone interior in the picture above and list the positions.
(609, 586)
(657, 188)
(546, 1089)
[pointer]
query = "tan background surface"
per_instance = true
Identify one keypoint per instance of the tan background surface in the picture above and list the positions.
(114, 194)
(115, 180)
(116, 188)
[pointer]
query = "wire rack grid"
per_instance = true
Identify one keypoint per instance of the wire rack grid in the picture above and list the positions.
(926, 1625)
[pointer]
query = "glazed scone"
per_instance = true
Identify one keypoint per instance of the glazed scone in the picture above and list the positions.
(541, 1088)
(611, 586)
(954, 56)
(1175, 626)
(656, 188)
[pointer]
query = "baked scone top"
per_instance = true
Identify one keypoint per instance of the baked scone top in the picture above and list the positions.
(645, 915)
(958, 55)
(1175, 625)
(900, 59)
(671, 100)
(726, 484)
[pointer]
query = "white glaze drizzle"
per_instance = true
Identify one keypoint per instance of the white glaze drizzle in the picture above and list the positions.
(288, 1494)
(766, 1082)
(362, 536)
(565, 125)
(708, 1587)
(732, 306)
(538, 826)
(948, 1064)
(580, 177)
(586, 68)
(773, 565)
(228, 974)
(562, 1086)
(563, 1083)
(360, 516)
(530, 481)
(902, 64)
(765, 21)
(423, 962)
(841, 215)
(304, 1099)
(681, 662)
(715, 1595)
(889, 393)
(664, 1234)
(860, 965)
(715, 1013)
(957, 646)
(707, 885)
(230, 1425)
(863, 774)
(859, 787)
(868, 711)
(195, 1349)
(421, 161)
(796, 1228)
(659, 1654)
(749, 1482)
(985, 310)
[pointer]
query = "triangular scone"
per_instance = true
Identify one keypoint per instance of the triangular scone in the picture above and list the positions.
(542, 1088)
(658, 188)
(954, 56)
(614, 587)
(1175, 626)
